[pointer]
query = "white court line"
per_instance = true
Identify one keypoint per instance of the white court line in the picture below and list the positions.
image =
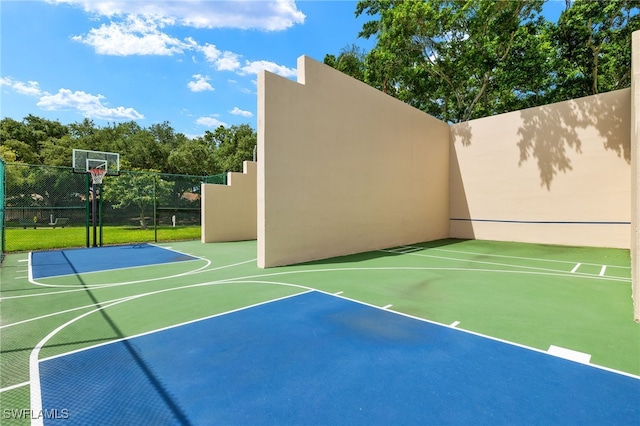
(33, 281)
(23, 260)
(387, 306)
(20, 278)
(518, 257)
(57, 313)
(569, 354)
(533, 268)
(454, 324)
(575, 268)
(495, 339)
(12, 387)
(36, 399)
(34, 368)
(338, 293)
(128, 299)
(603, 270)
(410, 250)
(101, 286)
(399, 250)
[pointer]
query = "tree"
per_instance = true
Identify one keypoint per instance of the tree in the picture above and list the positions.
(231, 146)
(447, 57)
(350, 61)
(27, 138)
(137, 189)
(462, 59)
(195, 157)
(39, 141)
(593, 43)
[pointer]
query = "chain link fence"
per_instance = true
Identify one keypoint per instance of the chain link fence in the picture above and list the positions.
(51, 207)
(2, 238)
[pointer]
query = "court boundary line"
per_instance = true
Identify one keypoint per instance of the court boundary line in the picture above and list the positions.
(551, 272)
(33, 281)
(368, 305)
(306, 290)
(169, 327)
(237, 279)
(53, 314)
(497, 339)
(109, 285)
(16, 386)
(518, 257)
(34, 374)
(580, 274)
(243, 279)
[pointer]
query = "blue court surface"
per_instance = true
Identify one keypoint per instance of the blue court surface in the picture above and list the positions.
(316, 358)
(76, 261)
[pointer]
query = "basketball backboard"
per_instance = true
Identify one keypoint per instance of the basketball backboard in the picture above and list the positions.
(84, 160)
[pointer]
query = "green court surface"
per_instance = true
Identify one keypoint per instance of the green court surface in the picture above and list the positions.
(537, 296)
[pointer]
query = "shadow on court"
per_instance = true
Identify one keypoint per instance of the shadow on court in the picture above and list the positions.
(149, 391)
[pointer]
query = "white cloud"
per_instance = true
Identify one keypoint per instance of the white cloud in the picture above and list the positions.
(200, 84)
(238, 111)
(254, 67)
(138, 28)
(89, 105)
(228, 62)
(30, 88)
(134, 36)
(210, 121)
(222, 61)
(211, 52)
(273, 15)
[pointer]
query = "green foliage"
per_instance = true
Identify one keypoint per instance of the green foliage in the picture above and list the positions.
(351, 61)
(461, 59)
(36, 140)
(593, 44)
(231, 146)
(138, 189)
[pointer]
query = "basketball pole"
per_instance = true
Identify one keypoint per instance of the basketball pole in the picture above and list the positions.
(94, 212)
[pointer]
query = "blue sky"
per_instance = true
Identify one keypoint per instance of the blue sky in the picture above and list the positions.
(193, 63)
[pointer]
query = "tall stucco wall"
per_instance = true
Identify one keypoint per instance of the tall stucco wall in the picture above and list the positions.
(344, 168)
(229, 212)
(556, 174)
(635, 172)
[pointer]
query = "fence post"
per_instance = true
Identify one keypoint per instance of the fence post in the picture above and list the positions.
(87, 212)
(155, 206)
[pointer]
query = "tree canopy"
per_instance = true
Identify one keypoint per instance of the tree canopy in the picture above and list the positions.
(464, 59)
(36, 140)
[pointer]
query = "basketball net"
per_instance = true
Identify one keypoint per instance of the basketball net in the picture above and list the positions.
(97, 175)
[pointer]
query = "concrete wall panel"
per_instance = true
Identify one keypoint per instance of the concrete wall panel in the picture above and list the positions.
(344, 168)
(555, 174)
(229, 212)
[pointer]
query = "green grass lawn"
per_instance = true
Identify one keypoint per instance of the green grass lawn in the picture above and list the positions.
(43, 238)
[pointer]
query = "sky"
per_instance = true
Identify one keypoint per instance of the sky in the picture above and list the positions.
(192, 63)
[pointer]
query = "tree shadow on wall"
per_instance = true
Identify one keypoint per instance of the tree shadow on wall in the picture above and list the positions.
(550, 132)
(461, 132)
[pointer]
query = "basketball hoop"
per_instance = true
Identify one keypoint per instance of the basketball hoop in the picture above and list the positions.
(97, 175)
